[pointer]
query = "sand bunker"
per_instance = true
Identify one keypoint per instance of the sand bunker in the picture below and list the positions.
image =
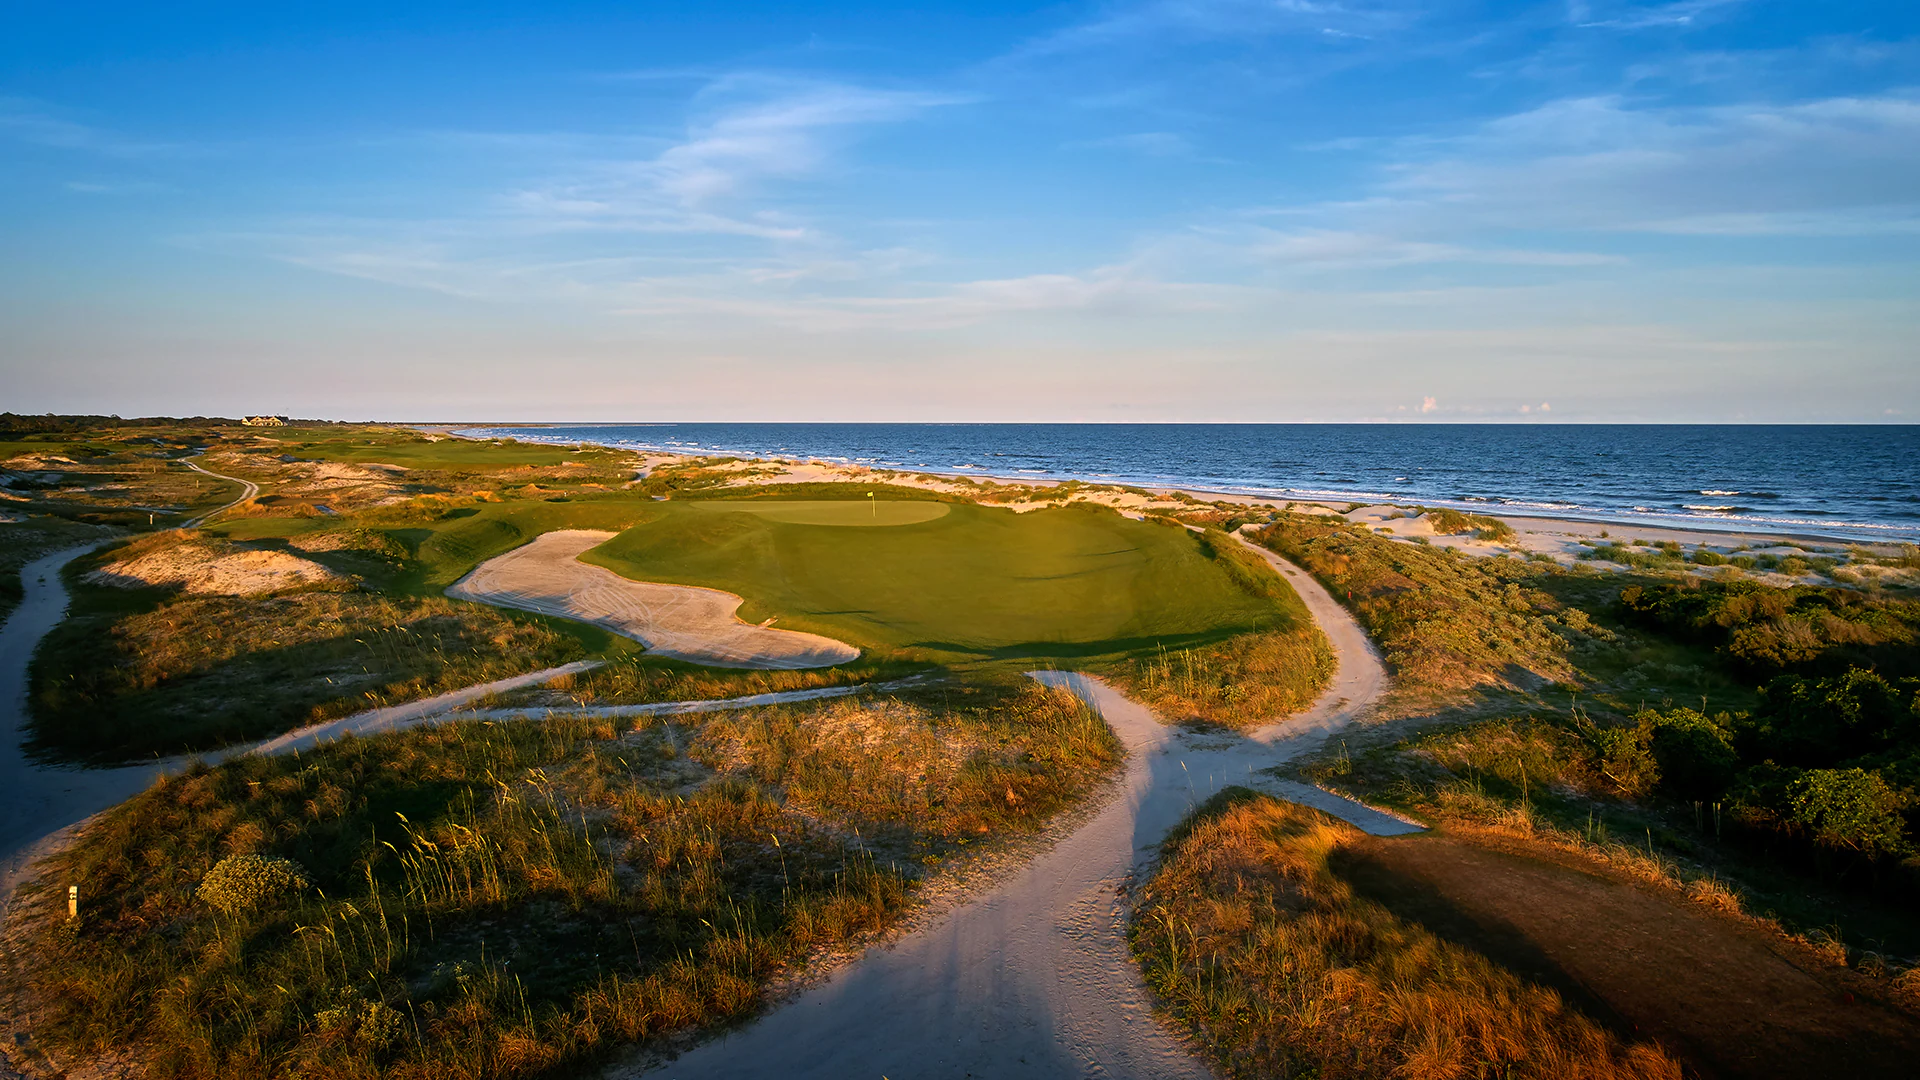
(208, 571)
(676, 621)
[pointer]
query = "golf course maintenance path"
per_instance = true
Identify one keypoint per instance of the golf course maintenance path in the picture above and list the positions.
(1033, 978)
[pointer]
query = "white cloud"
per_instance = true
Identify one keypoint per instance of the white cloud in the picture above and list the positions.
(1330, 247)
(754, 134)
(1601, 163)
(1614, 16)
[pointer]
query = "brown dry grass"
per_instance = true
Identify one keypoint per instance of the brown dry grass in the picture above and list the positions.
(1281, 970)
(1242, 682)
(520, 899)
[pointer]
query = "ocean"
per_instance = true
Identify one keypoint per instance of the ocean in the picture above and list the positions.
(1845, 482)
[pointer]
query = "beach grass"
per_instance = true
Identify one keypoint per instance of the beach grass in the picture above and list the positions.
(523, 899)
(1250, 939)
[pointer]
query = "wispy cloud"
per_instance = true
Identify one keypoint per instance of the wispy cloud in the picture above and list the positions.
(752, 132)
(1165, 144)
(39, 124)
(1631, 16)
(1162, 22)
(1602, 163)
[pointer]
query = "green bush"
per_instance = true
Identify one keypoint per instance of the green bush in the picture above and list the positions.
(1694, 753)
(241, 883)
(1850, 809)
(1770, 630)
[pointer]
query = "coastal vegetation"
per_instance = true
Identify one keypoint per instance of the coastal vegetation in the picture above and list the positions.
(1445, 622)
(522, 899)
(1758, 738)
(1281, 968)
(162, 665)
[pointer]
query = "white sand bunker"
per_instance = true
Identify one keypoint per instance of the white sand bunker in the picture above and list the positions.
(677, 621)
(205, 570)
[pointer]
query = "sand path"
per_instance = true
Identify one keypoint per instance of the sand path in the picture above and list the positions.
(248, 489)
(677, 621)
(1034, 979)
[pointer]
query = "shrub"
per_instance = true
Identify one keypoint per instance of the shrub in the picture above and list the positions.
(1694, 753)
(241, 883)
(1851, 809)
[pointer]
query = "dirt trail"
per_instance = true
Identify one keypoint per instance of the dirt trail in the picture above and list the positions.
(678, 621)
(1034, 978)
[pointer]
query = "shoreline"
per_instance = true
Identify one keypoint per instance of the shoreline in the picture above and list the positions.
(1733, 531)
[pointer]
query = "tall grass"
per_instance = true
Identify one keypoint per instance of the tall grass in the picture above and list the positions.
(199, 672)
(1249, 938)
(1245, 681)
(517, 900)
(637, 680)
(1445, 621)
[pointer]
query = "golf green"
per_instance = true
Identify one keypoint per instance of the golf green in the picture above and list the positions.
(865, 512)
(974, 582)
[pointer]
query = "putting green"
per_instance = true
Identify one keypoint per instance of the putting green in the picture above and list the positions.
(865, 512)
(977, 582)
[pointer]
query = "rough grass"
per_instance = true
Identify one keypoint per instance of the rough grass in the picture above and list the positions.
(517, 900)
(196, 673)
(1242, 682)
(1446, 622)
(638, 679)
(1280, 969)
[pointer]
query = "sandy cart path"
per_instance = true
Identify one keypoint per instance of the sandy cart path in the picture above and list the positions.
(1034, 978)
(677, 621)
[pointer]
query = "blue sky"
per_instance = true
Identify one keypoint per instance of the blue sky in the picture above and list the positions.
(1286, 210)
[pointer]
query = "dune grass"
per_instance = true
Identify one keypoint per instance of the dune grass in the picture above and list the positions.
(1280, 969)
(519, 900)
(1446, 622)
(639, 679)
(133, 673)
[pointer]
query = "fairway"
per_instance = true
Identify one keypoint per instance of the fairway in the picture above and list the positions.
(973, 583)
(865, 512)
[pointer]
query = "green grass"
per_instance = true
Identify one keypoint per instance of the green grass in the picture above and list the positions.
(862, 513)
(415, 450)
(977, 583)
(143, 672)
